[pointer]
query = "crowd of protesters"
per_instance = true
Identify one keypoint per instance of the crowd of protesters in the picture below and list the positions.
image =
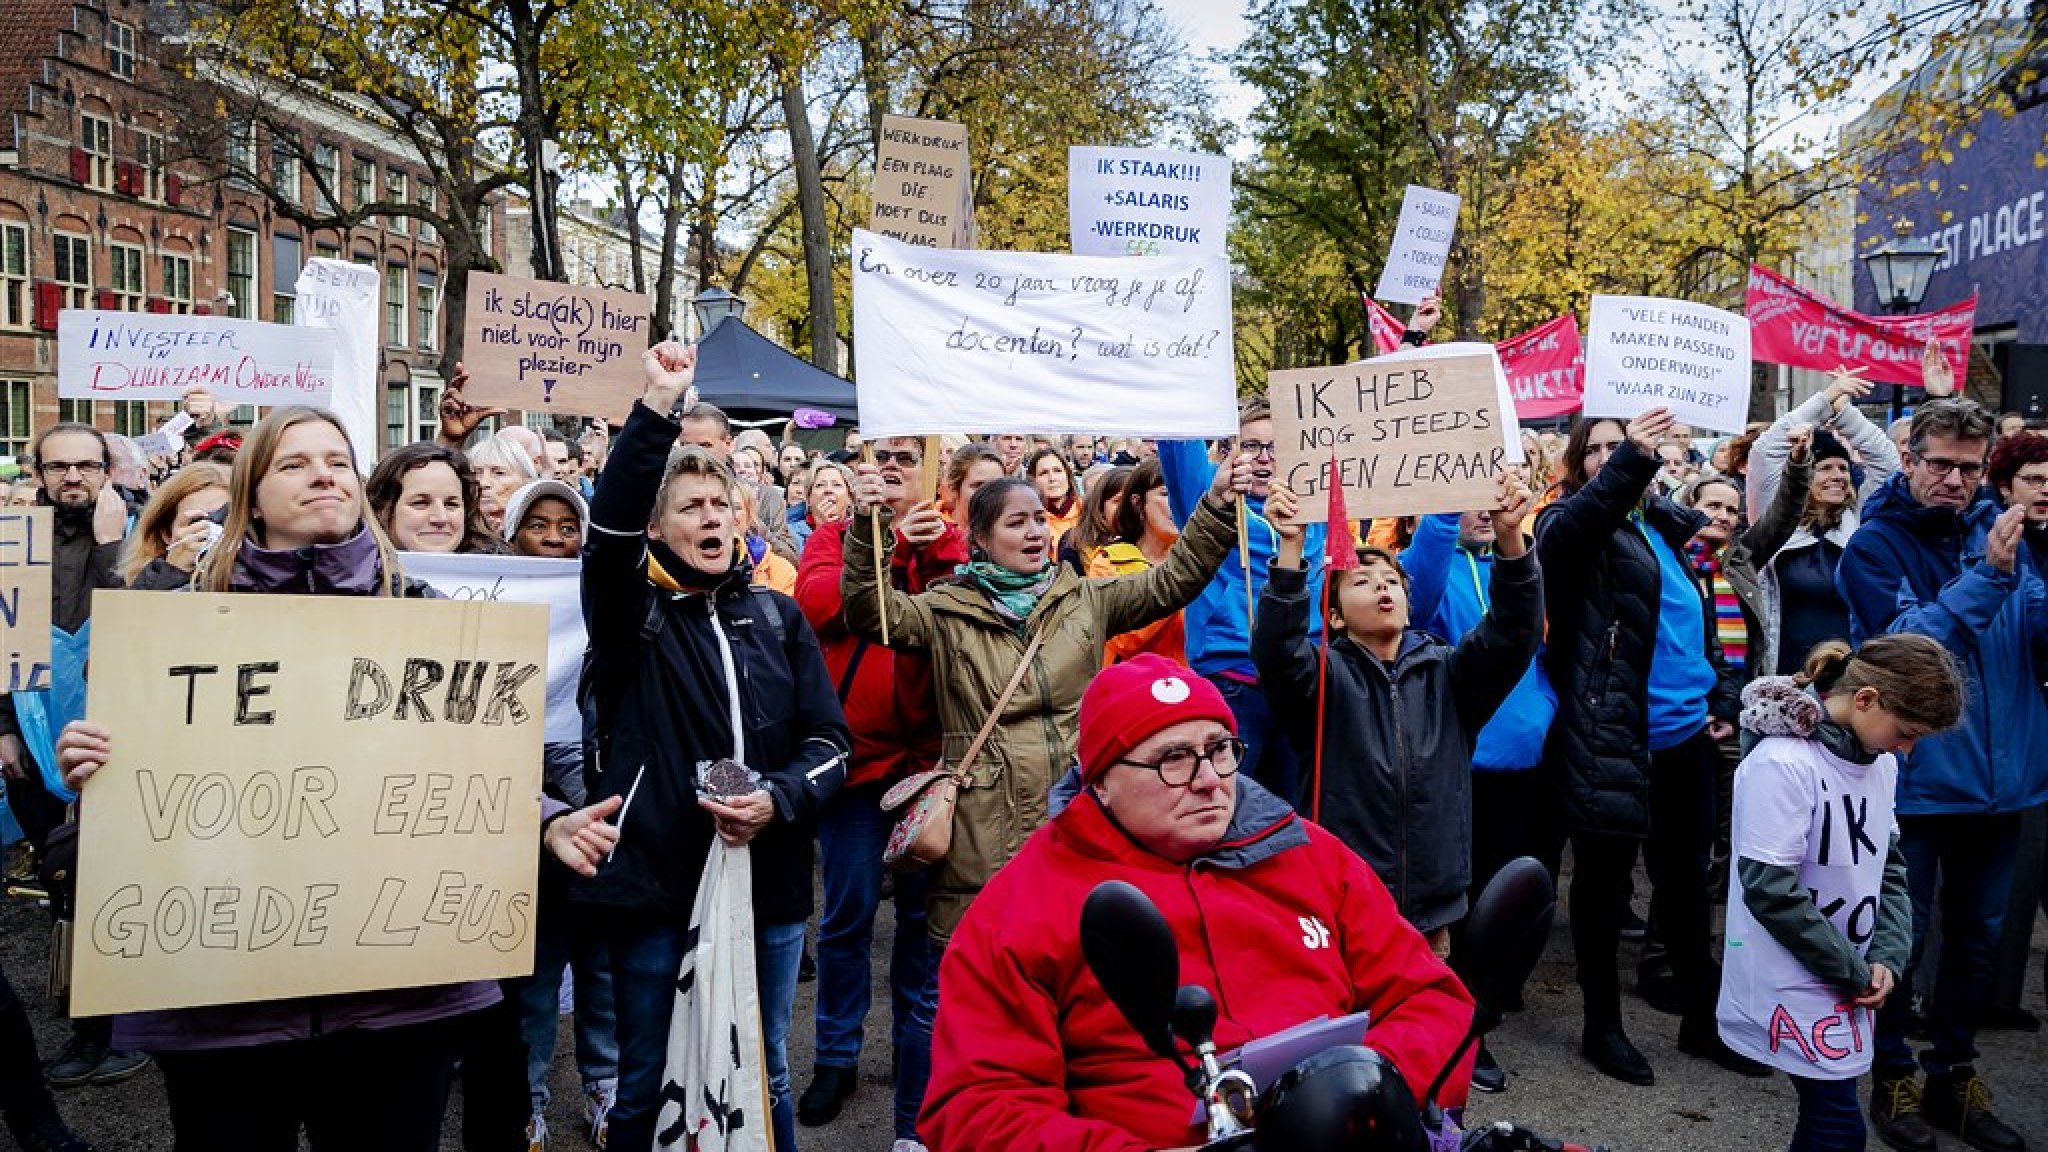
(1139, 660)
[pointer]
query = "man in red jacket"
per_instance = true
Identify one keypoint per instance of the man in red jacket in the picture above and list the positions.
(1273, 915)
(887, 697)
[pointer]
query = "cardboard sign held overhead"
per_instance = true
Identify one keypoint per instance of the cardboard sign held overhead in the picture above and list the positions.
(1647, 352)
(923, 188)
(1422, 243)
(25, 551)
(163, 355)
(307, 795)
(1412, 433)
(540, 346)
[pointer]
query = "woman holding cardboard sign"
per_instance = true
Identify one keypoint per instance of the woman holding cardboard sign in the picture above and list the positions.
(1013, 640)
(368, 1069)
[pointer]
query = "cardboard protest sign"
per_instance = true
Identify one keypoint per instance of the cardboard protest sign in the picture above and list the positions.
(307, 795)
(1146, 201)
(523, 580)
(1647, 352)
(1413, 432)
(965, 342)
(923, 190)
(1546, 368)
(1422, 242)
(163, 355)
(1791, 325)
(539, 346)
(167, 440)
(342, 298)
(25, 552)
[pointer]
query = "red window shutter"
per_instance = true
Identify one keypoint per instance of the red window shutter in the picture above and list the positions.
(81, 165)
(106, 300)
(128, 178)
(172, 188)
(49, 301)
(202, 309)
(157, 304)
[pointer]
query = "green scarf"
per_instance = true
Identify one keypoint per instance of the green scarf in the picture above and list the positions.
(1015, 594)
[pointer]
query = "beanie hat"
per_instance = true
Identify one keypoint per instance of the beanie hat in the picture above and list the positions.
(1126, 703)
(1828, 446)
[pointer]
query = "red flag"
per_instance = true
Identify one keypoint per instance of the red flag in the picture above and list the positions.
(1340, 551)
(1387, 328)
(1791, 325)
(1546, 369)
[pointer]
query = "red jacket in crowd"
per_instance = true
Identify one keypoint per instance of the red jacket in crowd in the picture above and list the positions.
(888, 701)
(1281, 921)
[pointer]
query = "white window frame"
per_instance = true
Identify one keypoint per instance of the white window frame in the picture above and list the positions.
(121, 49)
(17, 305)
(17, 416)
(149, 155)
(424, 197)
(244, 306)
(177, 280)
(241, 152)
(396, 188)
(397, 306)
(426, 311)
(77, 292)
(361, 190)
(96, 136)
(126, 275)
(327, 172)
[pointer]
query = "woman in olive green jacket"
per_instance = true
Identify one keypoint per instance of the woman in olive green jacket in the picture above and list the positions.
(976, 629)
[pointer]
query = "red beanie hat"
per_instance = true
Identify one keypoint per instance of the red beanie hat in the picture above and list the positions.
(1126, 703)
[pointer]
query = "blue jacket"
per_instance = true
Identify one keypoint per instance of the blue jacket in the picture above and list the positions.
(1450, 589)
(1912, 568)
(1218, 637)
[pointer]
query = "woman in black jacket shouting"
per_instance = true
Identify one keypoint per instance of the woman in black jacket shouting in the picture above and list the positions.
(1642, 700)
(690, 664)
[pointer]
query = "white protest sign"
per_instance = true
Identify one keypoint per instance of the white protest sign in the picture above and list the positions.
(1645, 352)
(162, 356)
(1146, 201)
(971, 341)
(523, 580)
(342, 297)
(308, 795)
(1422, 242)
(167, 440)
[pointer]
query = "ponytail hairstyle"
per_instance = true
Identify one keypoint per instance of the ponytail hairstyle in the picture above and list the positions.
(1914, 677)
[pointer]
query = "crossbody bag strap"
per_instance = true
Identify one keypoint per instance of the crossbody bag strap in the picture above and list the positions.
(988, 726)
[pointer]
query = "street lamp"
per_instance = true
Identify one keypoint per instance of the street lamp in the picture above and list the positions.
(1900, 271)
(714, 305)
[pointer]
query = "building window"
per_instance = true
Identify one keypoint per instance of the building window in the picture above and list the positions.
(241, 151)
(96, 136)
(131, 417)
(127, 269)
(395, 191)
(394, 305)
(429, 410)
(326, 177)
(425, 307)
(149, 151)
(363, 182)
(121, 49)
(396, 417)
(17, 420)
(74, 268)
(426, 201)
(284, 167)
(14, 298)
(242, 274)
(74, 411)
(178, 282)
(284, 277)
(326, 251)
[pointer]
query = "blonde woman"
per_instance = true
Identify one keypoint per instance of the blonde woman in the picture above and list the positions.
(174, 528)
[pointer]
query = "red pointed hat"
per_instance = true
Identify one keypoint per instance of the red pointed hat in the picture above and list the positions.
(1126, 703)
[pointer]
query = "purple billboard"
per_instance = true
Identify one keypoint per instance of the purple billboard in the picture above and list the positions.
(1988, 206)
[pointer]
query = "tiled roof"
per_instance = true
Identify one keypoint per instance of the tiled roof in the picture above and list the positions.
(28, 33)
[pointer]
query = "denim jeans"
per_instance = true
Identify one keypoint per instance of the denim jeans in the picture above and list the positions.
(646, 956)
(568, 938)
(914, 1054)
(1267, 756)
(1971, 857)
(1829, 1120)
(851, 835)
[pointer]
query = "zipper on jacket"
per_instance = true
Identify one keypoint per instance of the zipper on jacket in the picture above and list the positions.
(1401, 770)
(1607, 665)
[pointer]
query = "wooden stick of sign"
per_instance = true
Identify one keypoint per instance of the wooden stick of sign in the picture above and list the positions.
(867, 456)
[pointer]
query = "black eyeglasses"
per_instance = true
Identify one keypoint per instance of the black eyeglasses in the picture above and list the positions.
(1258, 449)
(906, 459)
(1971, 469)
(83, 467)
(1177, 766)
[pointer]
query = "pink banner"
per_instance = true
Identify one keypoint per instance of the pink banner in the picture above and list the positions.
(1546, 369)
(1790, 325)
(1386, 328)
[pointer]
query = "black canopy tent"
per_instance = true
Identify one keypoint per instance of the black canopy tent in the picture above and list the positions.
(748, 375)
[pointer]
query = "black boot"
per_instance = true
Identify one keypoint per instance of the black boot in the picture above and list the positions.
(1958, 1101)
(821, 1102)
(1610, 1052)
(1704, 1041)
(1487, 1074)
(1895, 1112)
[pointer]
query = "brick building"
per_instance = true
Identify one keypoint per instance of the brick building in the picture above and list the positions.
(96, 211)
